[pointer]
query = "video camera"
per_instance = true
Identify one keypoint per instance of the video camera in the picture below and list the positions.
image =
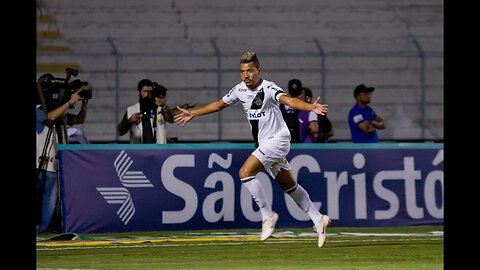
(57, 91)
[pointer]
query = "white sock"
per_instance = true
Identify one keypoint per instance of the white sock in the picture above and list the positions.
(256, 189)
(302, 199)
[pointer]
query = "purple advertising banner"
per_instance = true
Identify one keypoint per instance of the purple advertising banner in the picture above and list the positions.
(120, 188)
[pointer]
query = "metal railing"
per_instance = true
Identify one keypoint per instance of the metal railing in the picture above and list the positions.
(221, 73)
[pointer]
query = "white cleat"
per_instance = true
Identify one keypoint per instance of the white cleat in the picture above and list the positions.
(322, 230)
(268, 226)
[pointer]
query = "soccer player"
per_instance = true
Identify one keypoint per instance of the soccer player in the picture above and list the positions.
(261, 99)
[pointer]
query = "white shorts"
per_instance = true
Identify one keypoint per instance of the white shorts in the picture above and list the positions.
(273, 155)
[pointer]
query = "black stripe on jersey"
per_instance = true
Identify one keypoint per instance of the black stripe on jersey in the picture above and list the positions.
(254, 125)
(258, 100)
(277, 93)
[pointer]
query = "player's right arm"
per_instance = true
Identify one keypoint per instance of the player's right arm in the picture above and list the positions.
(186, 115)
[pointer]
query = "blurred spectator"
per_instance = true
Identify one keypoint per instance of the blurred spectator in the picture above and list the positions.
(303, 125)
(290, 115)
(164, 113)
(362, 119)
(325, 127)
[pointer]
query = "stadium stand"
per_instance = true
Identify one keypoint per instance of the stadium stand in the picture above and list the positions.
(193, 48)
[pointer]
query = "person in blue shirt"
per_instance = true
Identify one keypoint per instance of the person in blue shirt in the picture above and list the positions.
(362, 119)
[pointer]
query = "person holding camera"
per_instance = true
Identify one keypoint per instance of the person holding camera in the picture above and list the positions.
(51, 116)
(138, 119)
(146, 120)
(163, 112)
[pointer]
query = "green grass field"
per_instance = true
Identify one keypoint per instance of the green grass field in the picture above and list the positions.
(418, 247)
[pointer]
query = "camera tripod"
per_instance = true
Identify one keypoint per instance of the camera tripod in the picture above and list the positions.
(56, 133)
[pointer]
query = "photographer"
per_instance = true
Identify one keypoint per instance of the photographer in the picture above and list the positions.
(146, 119)
(51, 116)
(163, 112)
(138, 119)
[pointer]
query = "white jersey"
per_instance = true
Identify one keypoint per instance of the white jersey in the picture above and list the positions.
(261, 106)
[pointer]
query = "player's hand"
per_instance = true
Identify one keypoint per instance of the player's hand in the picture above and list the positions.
(183, 117)
(319, 108)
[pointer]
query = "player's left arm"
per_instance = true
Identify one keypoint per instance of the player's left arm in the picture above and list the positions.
(298, 104)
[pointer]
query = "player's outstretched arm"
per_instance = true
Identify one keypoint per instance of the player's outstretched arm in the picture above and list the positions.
(299, 104)
(185, 115)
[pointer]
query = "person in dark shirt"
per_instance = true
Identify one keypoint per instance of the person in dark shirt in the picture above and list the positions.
(325, 127)
(305, 126)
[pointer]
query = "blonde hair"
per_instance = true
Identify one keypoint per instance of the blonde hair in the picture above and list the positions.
(248, 57)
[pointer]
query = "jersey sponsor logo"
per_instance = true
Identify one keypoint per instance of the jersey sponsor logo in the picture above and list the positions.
(250, 96)
(357, 118)
(242, 90)
(254, 115)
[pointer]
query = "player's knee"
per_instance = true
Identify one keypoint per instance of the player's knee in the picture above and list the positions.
(242, 174)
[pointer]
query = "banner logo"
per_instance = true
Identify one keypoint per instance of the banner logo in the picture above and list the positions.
(129, 178)
(121, 195)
